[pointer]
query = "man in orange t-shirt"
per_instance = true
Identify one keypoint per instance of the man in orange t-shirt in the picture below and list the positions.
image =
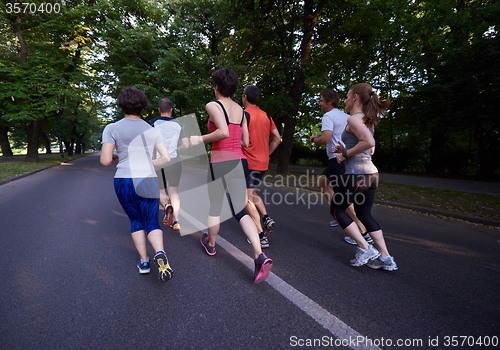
(261, 128)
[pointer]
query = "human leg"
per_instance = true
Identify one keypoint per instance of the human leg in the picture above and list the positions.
(213, 229)
(250, 230)
(352, 214)
(385, 260)
(133, 205)
(251, 209)
(343, 198)
(363, 206)
(164, 198)
(324, 186)
(216, 189)
(240, 199)
(139, 239)
(173, 174)
(162, 185)
(149, 216)
(165, 272)
(263, 264)
(175, 200)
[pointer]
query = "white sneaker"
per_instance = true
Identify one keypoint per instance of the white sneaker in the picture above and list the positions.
(333, 223)
(363, 256)
(388, 265)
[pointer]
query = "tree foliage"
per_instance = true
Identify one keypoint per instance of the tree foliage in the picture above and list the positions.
(437, 60)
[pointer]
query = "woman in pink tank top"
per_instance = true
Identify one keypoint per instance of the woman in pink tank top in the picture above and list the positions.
(228, 132)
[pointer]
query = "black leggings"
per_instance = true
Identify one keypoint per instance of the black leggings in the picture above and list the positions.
(360, 191)
(232, 182)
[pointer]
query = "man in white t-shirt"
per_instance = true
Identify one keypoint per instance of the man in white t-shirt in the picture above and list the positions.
(333, 124)
(175, 138)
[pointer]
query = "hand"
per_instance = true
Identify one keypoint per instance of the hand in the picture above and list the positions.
(195, 140)
(114, 159)
(339, 148)
(312, 137)
(340, 158)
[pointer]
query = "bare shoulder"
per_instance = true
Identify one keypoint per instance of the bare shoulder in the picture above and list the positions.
(212, 104)
(355, 118)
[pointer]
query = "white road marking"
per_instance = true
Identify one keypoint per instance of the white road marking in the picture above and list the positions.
(330, 322)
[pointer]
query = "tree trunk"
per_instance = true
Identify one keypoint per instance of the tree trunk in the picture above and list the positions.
(46, 143)
(286, 145)
(22, 48)
(298, 86)
(69, 147)
(34, 132)
(4, 142)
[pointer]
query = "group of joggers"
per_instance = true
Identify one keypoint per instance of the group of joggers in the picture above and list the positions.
(148, 169)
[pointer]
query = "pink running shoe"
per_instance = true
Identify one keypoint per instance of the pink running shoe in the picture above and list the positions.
(263, 265)
(208, 248)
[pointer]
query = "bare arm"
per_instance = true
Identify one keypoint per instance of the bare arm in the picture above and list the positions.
(216, 116)
(365, 137)
(107, 156)
(245, 138)
(323, 139)
(276, 140)
(164, 155)
(184, 144)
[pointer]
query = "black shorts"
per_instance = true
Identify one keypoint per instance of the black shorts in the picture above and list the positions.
(171, 174)
(254, 178)
(333, 171)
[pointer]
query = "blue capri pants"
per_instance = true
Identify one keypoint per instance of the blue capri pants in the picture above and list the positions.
(140, 200)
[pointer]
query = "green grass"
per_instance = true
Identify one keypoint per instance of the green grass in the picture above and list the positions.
(11, 169)
(478, 205)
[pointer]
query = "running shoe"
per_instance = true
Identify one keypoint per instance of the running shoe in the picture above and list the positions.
(264, 242)
(333, 223)
(143, 266)
(269, 225)
(168, 215)
(165, 272)
(263, 265)
(175, 226)
(351, 240)
(388, 264)
(363, 256)
(208, 248)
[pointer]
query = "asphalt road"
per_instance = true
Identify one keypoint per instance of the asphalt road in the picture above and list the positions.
(69, 279)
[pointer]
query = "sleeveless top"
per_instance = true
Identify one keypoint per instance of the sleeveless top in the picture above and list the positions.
(228, 148)
(360, 163)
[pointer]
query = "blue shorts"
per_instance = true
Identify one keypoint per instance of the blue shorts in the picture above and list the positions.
(140, 200)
